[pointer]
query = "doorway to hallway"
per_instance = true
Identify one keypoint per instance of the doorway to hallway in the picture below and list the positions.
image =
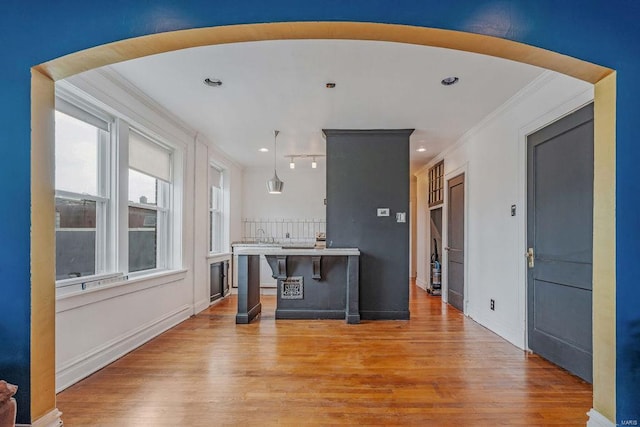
(455, 242)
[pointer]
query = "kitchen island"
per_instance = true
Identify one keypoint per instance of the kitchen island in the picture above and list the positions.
(311, 283)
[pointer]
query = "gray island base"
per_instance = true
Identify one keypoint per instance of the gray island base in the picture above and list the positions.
(312, 283)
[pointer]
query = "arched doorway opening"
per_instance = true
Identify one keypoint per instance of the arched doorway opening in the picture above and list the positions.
(42, 243)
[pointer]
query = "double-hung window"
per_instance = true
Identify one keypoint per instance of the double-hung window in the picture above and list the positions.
(82, 192)
(149, 203)
(216, 211)
(114, 197)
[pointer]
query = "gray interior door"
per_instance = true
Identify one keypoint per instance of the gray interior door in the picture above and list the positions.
(559, 234)
(455, 242)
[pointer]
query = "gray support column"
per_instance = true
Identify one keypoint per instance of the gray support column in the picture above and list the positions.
(249, 305)
(353, 290)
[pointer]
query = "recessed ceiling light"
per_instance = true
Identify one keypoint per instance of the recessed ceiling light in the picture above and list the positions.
(212, 82)
(264, 150)
(448, 81)
(421, 150)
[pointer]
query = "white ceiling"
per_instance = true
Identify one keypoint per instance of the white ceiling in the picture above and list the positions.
(281, 85)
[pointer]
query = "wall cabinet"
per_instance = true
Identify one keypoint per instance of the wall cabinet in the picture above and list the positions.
(436, 184)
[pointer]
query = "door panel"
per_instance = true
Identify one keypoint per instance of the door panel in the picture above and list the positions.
(455, 248)
(562, 312)
(560, 231)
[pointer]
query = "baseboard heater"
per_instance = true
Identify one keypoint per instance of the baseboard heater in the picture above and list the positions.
(218, 280)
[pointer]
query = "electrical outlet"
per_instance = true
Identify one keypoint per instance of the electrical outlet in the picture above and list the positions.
(493, 305)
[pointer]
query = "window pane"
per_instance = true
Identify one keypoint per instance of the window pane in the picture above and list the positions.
(143, 240)
(142, 188)
(215, 220)
(76, 147)
(216, 198)
(215, 241)
(75, 238)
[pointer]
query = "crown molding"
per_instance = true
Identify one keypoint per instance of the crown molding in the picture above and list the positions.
(535, 85)
(119, 80)
(134, 91)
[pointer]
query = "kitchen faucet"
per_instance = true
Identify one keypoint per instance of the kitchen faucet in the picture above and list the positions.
(260, 235)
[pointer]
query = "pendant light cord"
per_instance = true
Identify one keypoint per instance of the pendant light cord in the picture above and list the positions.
(275, 149)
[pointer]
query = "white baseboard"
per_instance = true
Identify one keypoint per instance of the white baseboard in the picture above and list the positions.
(507, 332)
(596, 419)
(421, 284)
(51, 419)
(86, 364)
(200, 306)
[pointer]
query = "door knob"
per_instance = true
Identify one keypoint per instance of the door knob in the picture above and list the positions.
(530, 257)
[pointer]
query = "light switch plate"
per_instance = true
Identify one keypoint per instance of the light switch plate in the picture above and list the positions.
(383, 211)
(401, 217)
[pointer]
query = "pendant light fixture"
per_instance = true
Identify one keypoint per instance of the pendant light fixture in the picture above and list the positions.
(274, 185)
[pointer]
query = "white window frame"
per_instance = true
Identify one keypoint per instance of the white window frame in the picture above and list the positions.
(164, 208)
(217, 236)
(104, 259)
(114, 183)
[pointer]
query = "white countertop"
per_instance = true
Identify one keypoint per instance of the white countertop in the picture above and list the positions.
(278, 250)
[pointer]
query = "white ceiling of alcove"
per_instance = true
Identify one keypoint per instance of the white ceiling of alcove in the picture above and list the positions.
(281, 85)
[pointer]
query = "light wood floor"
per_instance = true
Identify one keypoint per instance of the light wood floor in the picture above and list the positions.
(437, 369)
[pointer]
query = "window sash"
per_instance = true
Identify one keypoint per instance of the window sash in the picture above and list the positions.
(83, 115)
(216, 211)
(100, 245)
(103, 258)
(162, 228)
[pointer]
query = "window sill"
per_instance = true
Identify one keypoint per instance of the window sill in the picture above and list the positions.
(63, 283)
(224, 256)
(71, 300)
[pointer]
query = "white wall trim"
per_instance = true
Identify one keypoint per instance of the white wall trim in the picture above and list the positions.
(201, 305)
(421, 284)
(50, 419)
(85, 364)
(464, 169)
(510, 332)
(213, 258)
(596, 419)
(121, 82)
(171, 123)
(70, 301)
(554, 114)
(520, 96)
(219, 157)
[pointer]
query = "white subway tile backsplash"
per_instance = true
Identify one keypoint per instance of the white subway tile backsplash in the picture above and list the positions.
(277, 229)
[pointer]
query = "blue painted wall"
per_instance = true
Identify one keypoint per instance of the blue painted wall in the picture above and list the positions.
(34, 31)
